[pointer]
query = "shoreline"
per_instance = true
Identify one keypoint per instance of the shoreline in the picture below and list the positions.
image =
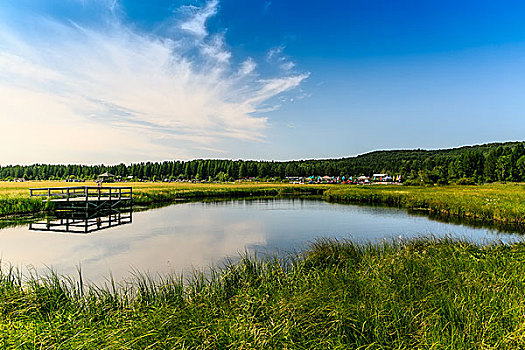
(499, 204)
(335, 294)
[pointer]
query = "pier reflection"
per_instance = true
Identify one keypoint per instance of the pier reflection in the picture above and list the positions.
(84, 221)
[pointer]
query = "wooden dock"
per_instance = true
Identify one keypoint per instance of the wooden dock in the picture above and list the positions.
(85, 197)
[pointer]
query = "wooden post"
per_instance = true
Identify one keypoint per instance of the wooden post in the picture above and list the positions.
(67, 194)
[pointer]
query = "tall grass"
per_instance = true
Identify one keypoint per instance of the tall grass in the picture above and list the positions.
(501, 203)
(19, 205)
(162, 195)
(14, 197)
(337, 295)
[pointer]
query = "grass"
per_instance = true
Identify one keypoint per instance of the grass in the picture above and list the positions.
(150, 193)
(423, 293)
(14, 197)
(498, 202)
(503, 203)
(18, 205)
(429, 294)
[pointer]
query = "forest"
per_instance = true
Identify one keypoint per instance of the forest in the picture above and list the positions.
(465, 165)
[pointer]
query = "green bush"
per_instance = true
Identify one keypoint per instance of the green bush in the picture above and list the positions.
(465, 181)
(442, 181)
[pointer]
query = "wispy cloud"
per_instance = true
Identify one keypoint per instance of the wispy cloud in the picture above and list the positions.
(287, 66)
(276, 55)
(196, 24)
(247, 67)
(74, 91)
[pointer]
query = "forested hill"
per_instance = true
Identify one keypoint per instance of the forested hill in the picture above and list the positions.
(398, 156)
(418, 159)
(480, 163)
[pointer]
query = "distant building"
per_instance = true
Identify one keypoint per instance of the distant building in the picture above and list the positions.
(106, 177)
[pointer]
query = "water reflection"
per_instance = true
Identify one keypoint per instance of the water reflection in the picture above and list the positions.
(475, 222)
(84, 221)
(182, 237)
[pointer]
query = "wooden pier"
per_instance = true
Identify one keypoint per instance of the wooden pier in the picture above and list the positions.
(85, 197)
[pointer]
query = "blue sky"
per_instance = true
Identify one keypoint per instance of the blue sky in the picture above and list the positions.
(128, 80)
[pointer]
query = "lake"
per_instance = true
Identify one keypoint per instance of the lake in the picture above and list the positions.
(182, 237)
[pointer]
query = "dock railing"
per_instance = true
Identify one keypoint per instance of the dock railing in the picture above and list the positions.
(88, 193)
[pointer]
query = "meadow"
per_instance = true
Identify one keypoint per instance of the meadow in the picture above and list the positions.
(429, 294)
(495, 202)
(423, 293)
(14, 196)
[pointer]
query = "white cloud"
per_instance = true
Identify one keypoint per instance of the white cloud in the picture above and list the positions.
(273, 87)
(276, 55)
(78, 94)
(214, 50)
(196, 24)
(287, 66)
(247, 67)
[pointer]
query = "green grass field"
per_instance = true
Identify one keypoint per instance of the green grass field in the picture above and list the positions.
(337, 295)
(428, 294)
(497, 202)
(14, 197)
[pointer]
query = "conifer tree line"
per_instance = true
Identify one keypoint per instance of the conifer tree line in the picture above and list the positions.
(473, 164)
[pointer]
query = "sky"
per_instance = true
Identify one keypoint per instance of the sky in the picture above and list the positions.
(111, 81)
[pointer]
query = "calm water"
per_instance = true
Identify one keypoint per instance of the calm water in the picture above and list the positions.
(182, 237)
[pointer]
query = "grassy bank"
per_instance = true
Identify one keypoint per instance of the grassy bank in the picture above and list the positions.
(498, 202)
(14, 197)
(158, 193)
(419, 294)
(503, 203)
(18, 204)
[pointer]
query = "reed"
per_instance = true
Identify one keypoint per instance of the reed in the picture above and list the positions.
(423, 293)
(503, 203)
(19, 205)
(499, 202)
(162, 195)
(14, 197)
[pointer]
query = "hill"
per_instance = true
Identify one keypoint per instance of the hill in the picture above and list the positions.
(479, 163)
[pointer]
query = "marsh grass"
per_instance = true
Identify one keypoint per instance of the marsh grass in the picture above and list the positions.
(150, 193)
(423, 293)
(500, 203)
(14, 197)
(21, 205)
(504, 203)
